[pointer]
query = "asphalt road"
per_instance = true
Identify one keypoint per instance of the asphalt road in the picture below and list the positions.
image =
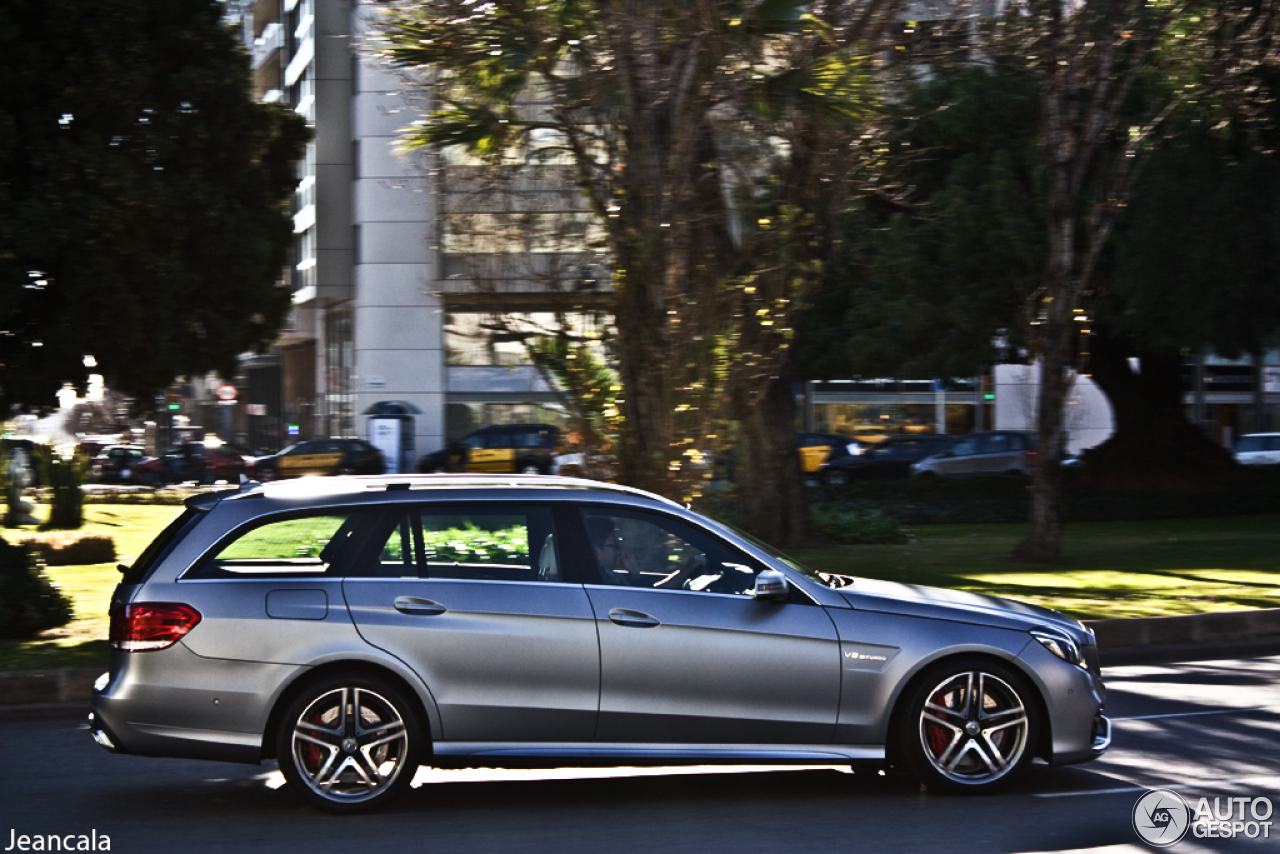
(1205, 729)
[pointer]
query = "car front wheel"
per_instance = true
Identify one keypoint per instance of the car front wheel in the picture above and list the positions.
(349, 744)
(969, 727)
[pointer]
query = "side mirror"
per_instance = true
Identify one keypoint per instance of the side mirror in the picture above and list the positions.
(771, 586)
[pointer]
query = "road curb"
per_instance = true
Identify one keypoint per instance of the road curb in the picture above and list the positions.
(36, 694)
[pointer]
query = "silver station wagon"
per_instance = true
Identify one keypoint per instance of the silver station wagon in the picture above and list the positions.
(354, 628)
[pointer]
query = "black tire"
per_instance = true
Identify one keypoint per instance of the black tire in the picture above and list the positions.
(950, 741)
(262, 475)
(341, 762)
(529, 467)
(346, 470)
(835, 477)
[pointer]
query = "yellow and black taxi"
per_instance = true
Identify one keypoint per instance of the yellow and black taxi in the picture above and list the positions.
(815, 449)
(508, 448)
(321, 456)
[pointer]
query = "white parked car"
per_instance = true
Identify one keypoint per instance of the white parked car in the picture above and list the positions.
(1258, 449)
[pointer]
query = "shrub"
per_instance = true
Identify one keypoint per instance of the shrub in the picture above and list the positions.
(868, 526)
(66, 501)
(72, 549)
(29, 602)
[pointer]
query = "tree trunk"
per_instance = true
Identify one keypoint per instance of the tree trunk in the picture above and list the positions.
(1154, 446)
(771, 500)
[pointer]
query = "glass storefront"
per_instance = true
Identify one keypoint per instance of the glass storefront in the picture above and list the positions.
(876, 421)
(462, 418)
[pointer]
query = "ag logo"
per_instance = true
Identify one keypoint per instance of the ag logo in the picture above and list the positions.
(1161, 817)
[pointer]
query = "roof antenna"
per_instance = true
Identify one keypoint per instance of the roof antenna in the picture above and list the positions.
(247, 485)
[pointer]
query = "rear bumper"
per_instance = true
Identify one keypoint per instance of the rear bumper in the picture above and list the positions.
(174, 703)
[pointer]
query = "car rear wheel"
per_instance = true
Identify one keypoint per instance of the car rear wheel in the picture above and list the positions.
(346, 470)
(529, 467)
(349, 744)
(835, 477)
(969, 727)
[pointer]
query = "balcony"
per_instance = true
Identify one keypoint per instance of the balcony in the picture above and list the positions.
(267, 45)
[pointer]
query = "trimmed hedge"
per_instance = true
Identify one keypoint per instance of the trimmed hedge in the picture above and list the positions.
(979, 500)
(72, 549)
(29, 602)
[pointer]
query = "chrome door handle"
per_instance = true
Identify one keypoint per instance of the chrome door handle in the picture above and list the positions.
(419, 607)
(634, 619)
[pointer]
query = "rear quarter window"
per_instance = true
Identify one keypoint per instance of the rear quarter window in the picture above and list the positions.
(298, 545)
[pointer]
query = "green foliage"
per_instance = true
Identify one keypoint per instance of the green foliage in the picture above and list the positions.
(29, 602)
(590, 384)
(472, 544)
(144, 196)
(867, 526)
(988, 500)
(922, 291)
(64, 477)
(1198, 254)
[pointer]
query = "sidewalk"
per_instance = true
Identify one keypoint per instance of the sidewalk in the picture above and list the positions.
(34, 694)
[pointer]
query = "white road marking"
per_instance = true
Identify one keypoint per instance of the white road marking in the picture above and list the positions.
(1184, 784)
(1191, 714)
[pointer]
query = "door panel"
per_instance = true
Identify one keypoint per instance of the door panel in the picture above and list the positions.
(472, 597)
(505, 661)
(689, 667)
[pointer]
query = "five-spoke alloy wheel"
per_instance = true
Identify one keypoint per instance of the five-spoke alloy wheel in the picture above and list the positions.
(969, 727)
(349, 744)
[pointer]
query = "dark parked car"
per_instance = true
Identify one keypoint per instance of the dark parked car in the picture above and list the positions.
(1008, 452)
(321, 457)
(202, 462)
(518, 448)
(115, 463)
(355, 630)
(891, 458)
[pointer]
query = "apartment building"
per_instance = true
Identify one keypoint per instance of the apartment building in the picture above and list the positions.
(396, 295)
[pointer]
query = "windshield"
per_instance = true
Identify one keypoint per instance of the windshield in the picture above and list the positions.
(782, 557)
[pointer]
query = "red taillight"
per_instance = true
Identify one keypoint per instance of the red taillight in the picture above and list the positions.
(147, 626)
(1031, 459)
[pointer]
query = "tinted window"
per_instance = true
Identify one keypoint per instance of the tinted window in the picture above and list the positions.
(508, 543)
(997, 443)
(965, 447)
(634, 549)
(298, 545)
(1248, 444)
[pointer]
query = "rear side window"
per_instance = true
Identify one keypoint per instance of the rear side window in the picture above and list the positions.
(306, 545)
(507, 543)
(1249, 444)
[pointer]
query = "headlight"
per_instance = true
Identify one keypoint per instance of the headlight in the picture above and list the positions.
(1060, 645)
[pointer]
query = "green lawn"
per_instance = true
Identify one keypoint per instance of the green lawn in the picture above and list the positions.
(82, 643)
(1112, 569)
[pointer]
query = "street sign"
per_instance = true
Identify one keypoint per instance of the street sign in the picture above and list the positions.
(226, 393)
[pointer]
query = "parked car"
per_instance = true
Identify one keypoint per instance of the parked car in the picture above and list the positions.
(355, 630)
(115, 463)
(519, 448)
(815, 449)
(201, 462)
(891, 458)
(321, 457)
(1255, 449)
(1008, 452)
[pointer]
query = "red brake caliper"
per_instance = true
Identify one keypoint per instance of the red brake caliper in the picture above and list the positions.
(311, 753)
(936, 733)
